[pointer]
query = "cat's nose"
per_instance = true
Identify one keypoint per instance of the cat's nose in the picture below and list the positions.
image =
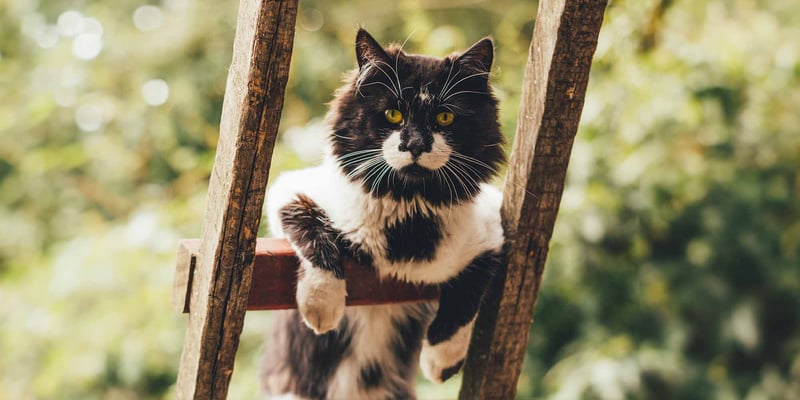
(414, 145)
(416, 148)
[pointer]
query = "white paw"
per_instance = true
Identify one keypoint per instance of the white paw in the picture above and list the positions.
(320, 299)
(441, 361)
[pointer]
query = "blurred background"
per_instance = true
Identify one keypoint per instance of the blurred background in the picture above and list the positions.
(675, 265)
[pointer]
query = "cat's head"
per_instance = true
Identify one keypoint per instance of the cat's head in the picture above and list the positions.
(412, 125)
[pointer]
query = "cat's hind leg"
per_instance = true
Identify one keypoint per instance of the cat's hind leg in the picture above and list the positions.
(297, 363)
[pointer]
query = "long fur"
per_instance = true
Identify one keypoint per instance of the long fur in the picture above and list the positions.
(410, 199)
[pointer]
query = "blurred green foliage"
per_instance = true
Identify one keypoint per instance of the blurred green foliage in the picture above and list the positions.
(674, 272)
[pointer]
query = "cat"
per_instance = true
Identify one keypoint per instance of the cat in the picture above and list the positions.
(403, 187)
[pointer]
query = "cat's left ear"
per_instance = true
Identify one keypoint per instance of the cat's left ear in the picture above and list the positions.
(478, 57)
(368, 50)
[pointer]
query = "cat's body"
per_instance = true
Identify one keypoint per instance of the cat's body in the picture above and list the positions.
(406, 195)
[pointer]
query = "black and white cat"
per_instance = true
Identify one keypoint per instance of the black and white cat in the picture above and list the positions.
(403, 187)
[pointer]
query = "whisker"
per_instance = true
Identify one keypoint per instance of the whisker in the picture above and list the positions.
(384, 171)
(450, 184)
(365, 166)
(477, 162)
(375, 175)
(450, 107)
(405, 41)
(473, 160)
(387, 75)
(463, 79)
(352, 153)
(397, 58)
(357, 159)
(465, 176)
(382, 84)
(462, 164)
(446, 85)
(391, 174)
(462, 92)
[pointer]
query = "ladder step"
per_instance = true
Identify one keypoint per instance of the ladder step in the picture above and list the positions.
(275, 276)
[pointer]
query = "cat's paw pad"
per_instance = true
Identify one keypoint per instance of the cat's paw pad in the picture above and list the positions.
(320, 299)
(441, 361)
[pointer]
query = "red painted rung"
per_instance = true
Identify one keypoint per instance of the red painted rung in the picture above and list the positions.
(275, 276)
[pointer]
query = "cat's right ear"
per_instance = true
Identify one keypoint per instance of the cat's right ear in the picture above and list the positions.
(368, 50)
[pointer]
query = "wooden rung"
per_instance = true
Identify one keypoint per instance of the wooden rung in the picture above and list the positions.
(275, 275)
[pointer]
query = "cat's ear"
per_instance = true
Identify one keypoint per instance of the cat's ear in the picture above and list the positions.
(368, 49)
(478, 57)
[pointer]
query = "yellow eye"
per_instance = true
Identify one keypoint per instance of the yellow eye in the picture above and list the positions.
(393, 116)
(445, 118)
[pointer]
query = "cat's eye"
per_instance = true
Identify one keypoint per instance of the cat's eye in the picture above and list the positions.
(393, 116)
(445, 118)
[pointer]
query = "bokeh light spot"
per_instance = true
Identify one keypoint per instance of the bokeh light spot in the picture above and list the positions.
(155, 92)
(47, 37)
(147, 18)
(311, 20)
(89, 117)
(87, 46)
(70, 23)
(91, 25)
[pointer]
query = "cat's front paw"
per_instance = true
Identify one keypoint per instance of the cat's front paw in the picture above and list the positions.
(320, 299)
(442, 360)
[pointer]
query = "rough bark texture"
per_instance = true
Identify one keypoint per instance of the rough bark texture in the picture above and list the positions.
(275, 275)
(250, 116)
(564, 41)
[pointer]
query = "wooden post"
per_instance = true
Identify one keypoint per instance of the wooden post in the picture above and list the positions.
(557, 72)
(251, 112)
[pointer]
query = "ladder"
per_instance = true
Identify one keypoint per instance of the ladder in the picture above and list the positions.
(229, 271)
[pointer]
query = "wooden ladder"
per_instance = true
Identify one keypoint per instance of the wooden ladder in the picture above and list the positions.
(215, 274)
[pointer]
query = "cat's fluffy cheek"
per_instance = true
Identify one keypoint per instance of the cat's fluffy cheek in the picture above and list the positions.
(439, 154)
(392, 154)
(443, 360)
(320, 299)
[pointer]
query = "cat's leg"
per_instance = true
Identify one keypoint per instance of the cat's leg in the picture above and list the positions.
(448, 337)
(382, 361)
(298, 364)
(320, 286)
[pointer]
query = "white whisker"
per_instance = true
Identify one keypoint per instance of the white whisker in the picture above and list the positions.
(462, 80)
(474, 160)
(365, 166)
(382, 84)
(462, 92)
(447, 81)
(388, 77)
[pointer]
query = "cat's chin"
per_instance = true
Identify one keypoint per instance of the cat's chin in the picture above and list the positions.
(415, 171)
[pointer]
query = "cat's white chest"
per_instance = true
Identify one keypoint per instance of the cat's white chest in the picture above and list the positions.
(467, 230)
